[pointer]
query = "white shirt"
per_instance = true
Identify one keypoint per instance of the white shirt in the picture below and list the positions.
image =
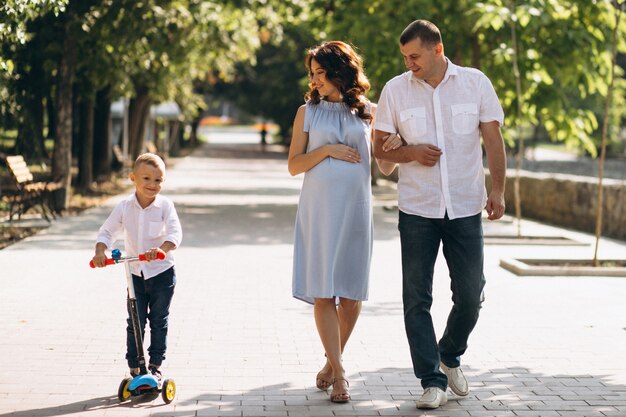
(144, 229)
(448, 117)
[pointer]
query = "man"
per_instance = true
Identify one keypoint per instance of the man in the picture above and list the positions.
(440, 110)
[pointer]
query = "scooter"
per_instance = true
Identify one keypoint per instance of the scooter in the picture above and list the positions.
(144, 383)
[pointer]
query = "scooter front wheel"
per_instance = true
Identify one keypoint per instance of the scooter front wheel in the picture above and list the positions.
(123, 393)
(168, 392)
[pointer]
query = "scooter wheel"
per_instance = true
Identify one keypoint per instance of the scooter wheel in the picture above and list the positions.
(123, 393)
(168, 392)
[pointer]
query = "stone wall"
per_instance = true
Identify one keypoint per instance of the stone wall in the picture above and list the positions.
(564, 200)
(569, 201)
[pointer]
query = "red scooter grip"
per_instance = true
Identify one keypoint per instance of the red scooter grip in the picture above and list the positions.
(109, 261)
(142, 257)
(160, 255)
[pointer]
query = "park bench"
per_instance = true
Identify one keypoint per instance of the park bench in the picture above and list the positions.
(26, 193)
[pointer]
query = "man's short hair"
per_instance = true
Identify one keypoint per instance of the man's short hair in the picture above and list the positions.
(149, 159)
(426, 31)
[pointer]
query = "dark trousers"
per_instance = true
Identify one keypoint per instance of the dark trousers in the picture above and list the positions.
(463, 250)
(154, 297)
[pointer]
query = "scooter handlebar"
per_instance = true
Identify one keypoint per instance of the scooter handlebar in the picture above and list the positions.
(141, 257)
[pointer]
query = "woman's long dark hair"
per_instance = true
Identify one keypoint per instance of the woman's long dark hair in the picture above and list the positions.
(344, 68)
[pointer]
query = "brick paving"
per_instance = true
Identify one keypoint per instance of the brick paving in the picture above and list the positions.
(240, 345)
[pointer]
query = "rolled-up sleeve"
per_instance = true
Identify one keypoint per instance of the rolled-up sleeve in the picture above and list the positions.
(173, 229)
(490, 107)
(112, 226)
(385, 120)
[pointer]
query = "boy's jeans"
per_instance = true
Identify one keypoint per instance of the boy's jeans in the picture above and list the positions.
(463, 250)
(154, 297)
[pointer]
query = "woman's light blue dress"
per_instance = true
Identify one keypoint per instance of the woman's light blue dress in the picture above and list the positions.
(333, 232)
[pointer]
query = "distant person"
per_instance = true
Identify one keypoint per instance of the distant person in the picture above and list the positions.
(150, 225)
(263, 134)
(440, 110)
(331, 144)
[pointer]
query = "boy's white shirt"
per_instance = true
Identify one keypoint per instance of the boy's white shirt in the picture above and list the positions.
(143, 229)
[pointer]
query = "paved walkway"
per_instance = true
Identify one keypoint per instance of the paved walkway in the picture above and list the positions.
(240, 345)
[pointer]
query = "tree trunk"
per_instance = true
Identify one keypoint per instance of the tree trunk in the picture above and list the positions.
(520, 138)
(193, 136)
(605, 124)
(51, 112)
(62, 155)
(30, 141)
(138, 112)
(85, 168)
(102, 147)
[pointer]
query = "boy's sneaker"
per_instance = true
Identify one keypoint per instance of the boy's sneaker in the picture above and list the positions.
(432, 398)
(456, 380)
(157, 375)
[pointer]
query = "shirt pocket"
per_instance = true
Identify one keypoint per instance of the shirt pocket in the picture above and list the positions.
(464, 118)
(155, 229)
(413, 121)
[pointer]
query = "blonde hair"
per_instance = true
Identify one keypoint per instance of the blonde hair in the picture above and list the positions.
(149, 159)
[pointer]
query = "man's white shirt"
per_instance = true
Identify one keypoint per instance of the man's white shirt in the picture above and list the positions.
(448, 117)
(144, 229)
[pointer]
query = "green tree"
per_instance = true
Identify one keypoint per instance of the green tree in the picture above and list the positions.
(98, 50)
(170, 44)
(23, 75)
(272, 84)
(617, 7)
(559, 54)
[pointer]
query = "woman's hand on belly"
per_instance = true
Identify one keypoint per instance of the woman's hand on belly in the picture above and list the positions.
(344, 153)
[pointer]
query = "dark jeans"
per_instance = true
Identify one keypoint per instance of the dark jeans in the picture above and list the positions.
(463, 250)
(154, 297)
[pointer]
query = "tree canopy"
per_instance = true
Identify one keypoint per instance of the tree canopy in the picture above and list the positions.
(55, 51)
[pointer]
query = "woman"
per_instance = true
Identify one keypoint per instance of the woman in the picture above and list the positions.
(331, 144)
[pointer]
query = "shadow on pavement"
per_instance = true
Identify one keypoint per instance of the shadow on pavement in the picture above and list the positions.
(100, 403)
(498, 392)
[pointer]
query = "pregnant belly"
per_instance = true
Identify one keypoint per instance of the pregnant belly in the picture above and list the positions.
(333, 175)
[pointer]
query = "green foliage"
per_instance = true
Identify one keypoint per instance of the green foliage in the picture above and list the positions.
(273, 83)
(564, 62)
(179, 48)
(374, 28)
(15, 34)
(564, 55)
(159, 46)
(16, 14)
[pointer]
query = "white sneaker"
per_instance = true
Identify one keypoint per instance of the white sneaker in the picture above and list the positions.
(432, 397)
(456, 380)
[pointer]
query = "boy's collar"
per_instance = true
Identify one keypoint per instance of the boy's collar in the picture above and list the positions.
(158, 200)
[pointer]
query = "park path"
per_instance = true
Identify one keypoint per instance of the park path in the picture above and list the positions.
(240, 345)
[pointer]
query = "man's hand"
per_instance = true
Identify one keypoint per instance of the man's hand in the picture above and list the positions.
(495, 205)
(427, 155)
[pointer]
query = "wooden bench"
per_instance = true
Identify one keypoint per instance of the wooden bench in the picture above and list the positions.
(27, 193)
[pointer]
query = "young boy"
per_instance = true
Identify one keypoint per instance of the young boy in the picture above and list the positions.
(151, 226)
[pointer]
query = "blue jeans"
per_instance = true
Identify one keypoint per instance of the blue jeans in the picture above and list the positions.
(463, 250)
(154, 297)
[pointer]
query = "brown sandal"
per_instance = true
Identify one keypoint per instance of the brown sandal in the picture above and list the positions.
(321, 383)
(340, 397)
